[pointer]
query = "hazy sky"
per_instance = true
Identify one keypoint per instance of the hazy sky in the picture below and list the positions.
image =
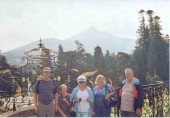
(24, 21)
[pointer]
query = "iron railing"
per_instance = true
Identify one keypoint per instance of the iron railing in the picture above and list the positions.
(156, 100)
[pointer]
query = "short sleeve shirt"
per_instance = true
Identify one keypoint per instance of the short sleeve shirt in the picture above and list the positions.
(45, 90)
(63, 105)
(100, 93)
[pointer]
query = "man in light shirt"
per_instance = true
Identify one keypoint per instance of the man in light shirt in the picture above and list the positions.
(130, 95)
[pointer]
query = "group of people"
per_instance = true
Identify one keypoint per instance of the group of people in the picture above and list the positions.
(85, 101)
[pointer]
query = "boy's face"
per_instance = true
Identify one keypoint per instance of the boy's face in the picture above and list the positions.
(63, 90)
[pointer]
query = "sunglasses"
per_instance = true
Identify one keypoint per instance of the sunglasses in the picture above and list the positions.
(82, 82)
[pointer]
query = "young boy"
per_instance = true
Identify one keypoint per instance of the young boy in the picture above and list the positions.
(63, 102)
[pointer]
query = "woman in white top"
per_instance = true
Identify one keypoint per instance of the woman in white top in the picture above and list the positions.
(82, 98)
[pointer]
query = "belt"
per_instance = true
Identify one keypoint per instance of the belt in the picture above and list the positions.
(45, 103)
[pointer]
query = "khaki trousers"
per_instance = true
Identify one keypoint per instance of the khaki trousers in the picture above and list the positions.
(46, 110)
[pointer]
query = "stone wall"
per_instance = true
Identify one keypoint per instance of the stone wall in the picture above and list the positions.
(23, 112)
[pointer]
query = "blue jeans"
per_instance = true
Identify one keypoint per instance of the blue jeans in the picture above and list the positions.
(82, 114)
(128, 114)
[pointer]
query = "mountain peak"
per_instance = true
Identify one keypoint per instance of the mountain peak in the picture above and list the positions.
(91, 29)
(90, 38)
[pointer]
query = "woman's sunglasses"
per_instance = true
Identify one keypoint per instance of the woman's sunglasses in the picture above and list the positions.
(82, 82)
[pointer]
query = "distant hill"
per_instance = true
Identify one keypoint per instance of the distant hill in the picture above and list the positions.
(90, 38)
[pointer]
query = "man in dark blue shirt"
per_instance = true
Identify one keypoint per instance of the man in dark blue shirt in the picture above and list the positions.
(44, 92)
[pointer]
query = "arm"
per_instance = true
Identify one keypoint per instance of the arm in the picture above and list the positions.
(67, 102)
(73, 99)
(140, 96)
(56, 101)
(91, 100)
(111, 90)
(109, 95)
(35, 96)
(140, 100)
(61, 112)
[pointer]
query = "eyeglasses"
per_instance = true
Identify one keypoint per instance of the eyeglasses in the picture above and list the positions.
(82, 82)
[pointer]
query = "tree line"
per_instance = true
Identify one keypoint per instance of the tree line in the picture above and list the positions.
(149, 59)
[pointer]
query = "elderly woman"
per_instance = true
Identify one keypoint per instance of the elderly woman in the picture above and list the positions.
(82, 98)
(100, 93)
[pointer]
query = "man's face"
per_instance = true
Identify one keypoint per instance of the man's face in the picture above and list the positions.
(46, 74)
(129, 75)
